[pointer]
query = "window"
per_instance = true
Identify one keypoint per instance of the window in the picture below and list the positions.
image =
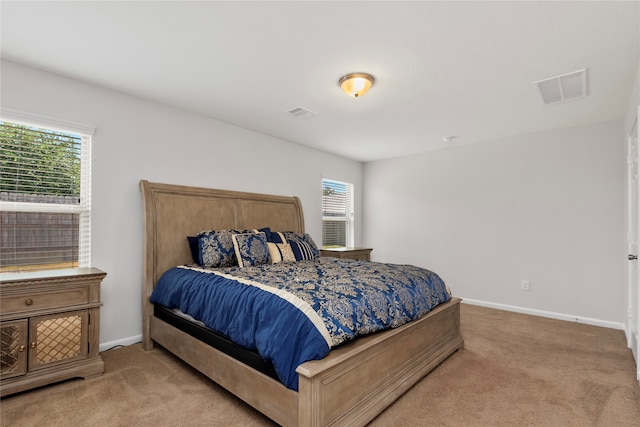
(337, 214)
(45, 200)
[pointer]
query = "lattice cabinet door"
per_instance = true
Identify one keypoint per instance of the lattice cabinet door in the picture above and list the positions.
(13, 348)
(57, 338)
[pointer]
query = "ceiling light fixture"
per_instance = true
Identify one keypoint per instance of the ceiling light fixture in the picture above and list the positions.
(356, 84)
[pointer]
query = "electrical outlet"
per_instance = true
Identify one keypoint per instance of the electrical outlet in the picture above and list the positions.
(525, 286)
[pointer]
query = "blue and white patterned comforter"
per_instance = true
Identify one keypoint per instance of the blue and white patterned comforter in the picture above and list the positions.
(295, 312)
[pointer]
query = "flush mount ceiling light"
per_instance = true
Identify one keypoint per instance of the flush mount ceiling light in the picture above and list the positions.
(356, 84)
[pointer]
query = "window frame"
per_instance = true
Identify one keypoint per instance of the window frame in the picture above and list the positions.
(348, 218)
(83, 208)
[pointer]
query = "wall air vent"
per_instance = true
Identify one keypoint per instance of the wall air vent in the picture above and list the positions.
(301, 113)
(563, 88)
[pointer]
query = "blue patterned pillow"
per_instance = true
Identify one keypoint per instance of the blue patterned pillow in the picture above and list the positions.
(251, 249)
(306, 238)
(215, 248)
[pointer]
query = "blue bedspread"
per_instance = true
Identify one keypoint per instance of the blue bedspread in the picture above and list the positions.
(295, 312)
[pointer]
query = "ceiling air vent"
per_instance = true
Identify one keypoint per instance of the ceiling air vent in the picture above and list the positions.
(301, 113)
(563, 88)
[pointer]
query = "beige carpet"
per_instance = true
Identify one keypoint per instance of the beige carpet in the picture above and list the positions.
(515, 370)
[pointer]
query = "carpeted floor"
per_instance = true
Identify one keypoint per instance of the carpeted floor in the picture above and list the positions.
(515, 370)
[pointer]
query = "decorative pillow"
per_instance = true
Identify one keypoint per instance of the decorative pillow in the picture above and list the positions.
(290, 236)
(251, 249)
(301, 250)
(280, 252)
(193, 247)
(265, 230)
(215, 248)
(276, 237)
(312, 244)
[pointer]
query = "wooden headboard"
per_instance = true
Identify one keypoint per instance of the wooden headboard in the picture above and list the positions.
(172, 212)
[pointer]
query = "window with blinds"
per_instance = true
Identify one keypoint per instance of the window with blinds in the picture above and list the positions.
(337, 214)
(45, 200)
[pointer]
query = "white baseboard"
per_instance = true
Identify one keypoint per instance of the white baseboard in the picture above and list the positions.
(560, 316)
(120, 343)
(631, 338)
(549, 314)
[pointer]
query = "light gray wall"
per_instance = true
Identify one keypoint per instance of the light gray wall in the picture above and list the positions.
(137, 139)
(546, 207)
(634, 102)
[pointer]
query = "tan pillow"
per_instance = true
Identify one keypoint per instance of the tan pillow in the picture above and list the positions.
(280, 252)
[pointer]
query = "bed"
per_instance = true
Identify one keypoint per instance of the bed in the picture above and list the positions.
(350, 386)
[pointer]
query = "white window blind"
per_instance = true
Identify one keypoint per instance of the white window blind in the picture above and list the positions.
(337, 214)
(45, 197)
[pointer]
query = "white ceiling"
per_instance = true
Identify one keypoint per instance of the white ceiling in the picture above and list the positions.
(442, 68)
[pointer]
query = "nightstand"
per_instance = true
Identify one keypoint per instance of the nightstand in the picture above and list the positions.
(362, 254)
(49, 327)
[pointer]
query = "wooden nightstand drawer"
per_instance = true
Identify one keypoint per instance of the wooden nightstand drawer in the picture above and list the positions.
(44, 300)
(361, 254)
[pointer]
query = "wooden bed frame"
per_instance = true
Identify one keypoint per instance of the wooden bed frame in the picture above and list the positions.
(350, 386)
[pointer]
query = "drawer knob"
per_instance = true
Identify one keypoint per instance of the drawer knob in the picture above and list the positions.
(28, 302)
(21, 348)
(33, 344)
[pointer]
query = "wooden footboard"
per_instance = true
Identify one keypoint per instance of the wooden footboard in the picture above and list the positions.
(349, 387)
(358, 381)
